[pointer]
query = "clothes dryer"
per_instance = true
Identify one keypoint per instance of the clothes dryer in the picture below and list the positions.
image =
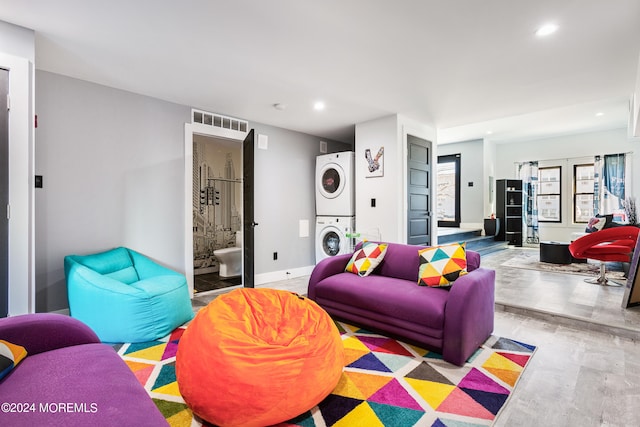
(335, 184)
(332, 236)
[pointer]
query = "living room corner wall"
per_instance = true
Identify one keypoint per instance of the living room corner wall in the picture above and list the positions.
(381, 220)
(112, 165)
(388, 217)
(285, 201)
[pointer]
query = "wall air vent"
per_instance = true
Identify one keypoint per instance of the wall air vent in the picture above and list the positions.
(228, 126)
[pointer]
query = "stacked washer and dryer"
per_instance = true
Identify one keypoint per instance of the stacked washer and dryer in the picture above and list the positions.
(335, 204)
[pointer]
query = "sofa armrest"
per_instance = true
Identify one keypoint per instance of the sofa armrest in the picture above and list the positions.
(325, 268)
(469, 314)
(41, 332)
(473, 260)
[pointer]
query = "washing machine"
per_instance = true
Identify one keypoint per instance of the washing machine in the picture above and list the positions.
(335, 184)
(331, 236)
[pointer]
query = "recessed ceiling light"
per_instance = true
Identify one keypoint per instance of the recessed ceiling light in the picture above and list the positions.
(489, 132)
(599, 114)
(280, 107)
(546, 29)
(318, 106)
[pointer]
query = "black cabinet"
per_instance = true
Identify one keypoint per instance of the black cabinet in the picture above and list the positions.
(509, 209)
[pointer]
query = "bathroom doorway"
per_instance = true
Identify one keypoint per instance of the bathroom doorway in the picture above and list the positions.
(217, 213)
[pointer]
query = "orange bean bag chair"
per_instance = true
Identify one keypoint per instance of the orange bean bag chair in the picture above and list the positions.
(257, 357)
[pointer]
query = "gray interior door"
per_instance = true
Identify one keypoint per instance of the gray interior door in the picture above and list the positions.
(418, 191)
(248, 216)
(4, 193)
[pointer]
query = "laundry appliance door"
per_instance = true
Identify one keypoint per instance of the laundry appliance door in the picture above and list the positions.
(331, 180)
(330, 241)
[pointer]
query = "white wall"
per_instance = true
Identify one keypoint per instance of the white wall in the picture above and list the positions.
(489, 160)
(112, 166)
(17, 41)
(384, 217)
(17, 51)
(634, 113)
(567, 151)
(389, 217)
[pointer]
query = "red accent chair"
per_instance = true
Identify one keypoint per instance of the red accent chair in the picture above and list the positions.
(610, 244)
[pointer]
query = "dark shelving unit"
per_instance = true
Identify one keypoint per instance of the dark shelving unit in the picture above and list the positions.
(509, 209)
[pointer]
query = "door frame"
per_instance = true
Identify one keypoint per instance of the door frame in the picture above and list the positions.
(191, 129)
(453, 158)
(428, 135)
(22, 292)
(4, 191)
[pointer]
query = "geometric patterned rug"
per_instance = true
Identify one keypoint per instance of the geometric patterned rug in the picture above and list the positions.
(385, 383)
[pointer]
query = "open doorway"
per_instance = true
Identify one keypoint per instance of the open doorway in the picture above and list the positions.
(217, 213)
(448, 198)
(204, 189)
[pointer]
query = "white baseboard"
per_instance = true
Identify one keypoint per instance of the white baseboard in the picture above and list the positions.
(275, 276)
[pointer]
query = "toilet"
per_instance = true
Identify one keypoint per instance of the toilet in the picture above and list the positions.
(230, 258)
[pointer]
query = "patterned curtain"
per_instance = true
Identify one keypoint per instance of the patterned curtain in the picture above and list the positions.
(597, 173)
(528, 173)
(613, 186)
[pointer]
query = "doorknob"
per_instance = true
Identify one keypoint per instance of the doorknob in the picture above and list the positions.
(253, 223)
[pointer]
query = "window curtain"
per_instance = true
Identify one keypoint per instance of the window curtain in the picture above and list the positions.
(528, 173)
(614, 186)
(597, 172)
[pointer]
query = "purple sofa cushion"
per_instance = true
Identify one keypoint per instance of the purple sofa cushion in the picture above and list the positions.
(387, 296)
(82, 385)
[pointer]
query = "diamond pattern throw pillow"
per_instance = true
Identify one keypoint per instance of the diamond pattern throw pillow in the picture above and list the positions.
(10, 356)
(366, 259)
(442, 265)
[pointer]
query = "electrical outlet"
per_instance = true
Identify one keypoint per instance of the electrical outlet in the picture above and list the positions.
(275, 256)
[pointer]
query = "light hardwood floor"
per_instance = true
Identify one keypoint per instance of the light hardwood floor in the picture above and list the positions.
(586, 370)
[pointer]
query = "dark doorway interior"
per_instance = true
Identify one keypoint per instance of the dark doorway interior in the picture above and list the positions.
(248, 156)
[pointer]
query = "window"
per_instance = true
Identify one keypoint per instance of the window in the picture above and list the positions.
(548, 198)
(448, 197)
(583, 178)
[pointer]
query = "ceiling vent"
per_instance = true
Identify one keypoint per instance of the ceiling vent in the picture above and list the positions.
(219, 121)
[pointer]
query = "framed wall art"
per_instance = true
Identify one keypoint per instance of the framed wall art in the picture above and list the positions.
(375, 162)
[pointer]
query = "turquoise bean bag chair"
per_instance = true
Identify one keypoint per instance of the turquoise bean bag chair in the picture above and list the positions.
(126, 297)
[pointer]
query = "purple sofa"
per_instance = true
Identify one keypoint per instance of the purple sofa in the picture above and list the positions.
(453, 322)
(69, 378)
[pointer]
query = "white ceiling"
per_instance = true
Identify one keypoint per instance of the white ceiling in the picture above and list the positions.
(464, 66)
